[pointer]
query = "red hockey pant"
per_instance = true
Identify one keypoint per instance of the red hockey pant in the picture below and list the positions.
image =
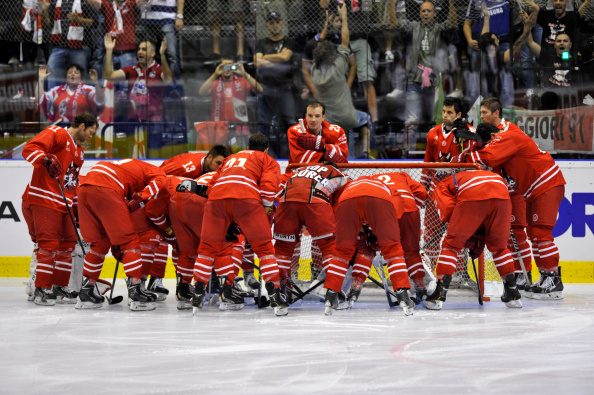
(105, 221)
(518, 225)
(410, 234)
(467, 217)
(541, 213)
(55, 236)
(380, 216)
(149, 238)
(318, 218)
(251, 218)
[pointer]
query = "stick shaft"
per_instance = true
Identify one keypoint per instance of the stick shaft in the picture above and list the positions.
(519, 256)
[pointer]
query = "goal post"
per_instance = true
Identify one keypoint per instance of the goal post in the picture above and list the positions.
(307, 263)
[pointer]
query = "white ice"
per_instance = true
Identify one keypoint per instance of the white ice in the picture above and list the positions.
(543, 348)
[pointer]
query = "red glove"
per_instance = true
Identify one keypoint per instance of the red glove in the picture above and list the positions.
(135, 203)
(311, 142)
(172, 240)
(117, 253)
(53, 166)
(334, 156)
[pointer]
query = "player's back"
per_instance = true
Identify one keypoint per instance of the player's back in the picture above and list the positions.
(188, 165)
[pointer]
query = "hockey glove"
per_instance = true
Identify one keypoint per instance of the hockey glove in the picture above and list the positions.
(311, 142)
(476, 244)
(172, 240)
(135, 203)
(334, 156)
(52, 165)
(117, 253)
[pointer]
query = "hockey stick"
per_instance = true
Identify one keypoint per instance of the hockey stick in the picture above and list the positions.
(301, 294)
(380, 271)
(373, 280)
(117, 299)
(261, 304)
(478, 283)
(519, 255)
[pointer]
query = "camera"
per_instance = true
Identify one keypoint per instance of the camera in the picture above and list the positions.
(230, 67)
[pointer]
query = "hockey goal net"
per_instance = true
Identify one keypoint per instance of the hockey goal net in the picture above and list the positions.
(306, 264)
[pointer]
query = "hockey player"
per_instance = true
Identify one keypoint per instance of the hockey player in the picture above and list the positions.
(57, 156)
(370, 202)
(442, 146)
(535, 175)
(320, 141)
(243, 192)
(306, 201)
(191, 165)
(413, 194)
(472, 201)
(106, 198)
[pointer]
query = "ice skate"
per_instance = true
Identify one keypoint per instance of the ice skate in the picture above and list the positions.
(198, 297)
(550, 287)
(155, 286)
(151, 295)
(229, 298)
(89, 296)
(404, 301)
(64, 294)
(183, 294)
(511, 294)
(352, 296)
(420, 295)
(436, 299)
(521, 282)
(44, 297)
(330, 302)
(138, 300)
(30, 284)
(252, 283)
(278, 300)
(342, 301)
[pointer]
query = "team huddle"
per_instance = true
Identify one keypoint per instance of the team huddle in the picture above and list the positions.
(218, 211)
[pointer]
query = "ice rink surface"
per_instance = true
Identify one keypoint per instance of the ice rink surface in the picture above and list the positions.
(546, 347)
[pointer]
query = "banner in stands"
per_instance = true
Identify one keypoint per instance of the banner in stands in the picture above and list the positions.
(567, 130)
(573, 233)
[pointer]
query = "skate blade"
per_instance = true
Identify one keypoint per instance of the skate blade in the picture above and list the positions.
(87, 305)
(342, 305)
(63, 300)
(230, 306)
(184, 305)
(30, 298)
(351, 303)
(161, 297)
(281, 311)
(407, 309)
(517, 304)
(40, 302)
(142, 306)
(328, 309)
(546, 296)
(436, 305)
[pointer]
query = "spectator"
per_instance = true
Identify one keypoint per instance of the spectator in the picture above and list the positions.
(274, 65)
(69, 22)
(31, 31)
(358, 31)
(228, 85)
(217, 9)
(64, 102)
(554, 22)
(330, 64)
(498, 11)
(161, 20)
(146, 84)
(424, 63)
(330, 32)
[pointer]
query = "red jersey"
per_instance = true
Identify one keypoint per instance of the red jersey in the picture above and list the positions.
(189, 165)
(313, 184)
(122, 27)
(334, 136)
(128, 176)
(526, 169)
(442, 147)
(472, 185)
(63, 103)
(228, 100)
(158, 207)
(246, 175)
(366, 186)
(146, 89)
(43, 190)
(400, 184)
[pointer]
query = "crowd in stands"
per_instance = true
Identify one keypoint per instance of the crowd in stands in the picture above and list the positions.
(377, 66)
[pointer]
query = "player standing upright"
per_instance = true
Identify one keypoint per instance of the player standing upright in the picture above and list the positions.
(534, 175)
(243, 191)
(57, 156)
(320, 141)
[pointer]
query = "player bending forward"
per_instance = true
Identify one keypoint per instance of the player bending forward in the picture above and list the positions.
(474, 201)
(57, 156)
(367, 201)
(243, 192)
